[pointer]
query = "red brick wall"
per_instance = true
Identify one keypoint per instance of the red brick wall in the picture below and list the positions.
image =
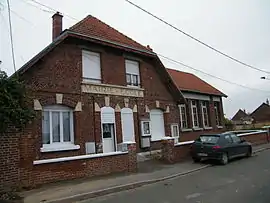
(9, 159)
(256, 139)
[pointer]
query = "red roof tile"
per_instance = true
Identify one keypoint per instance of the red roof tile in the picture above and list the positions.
(92, 26)
(190, 82)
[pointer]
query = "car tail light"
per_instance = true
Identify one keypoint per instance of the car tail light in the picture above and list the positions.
(216, 147)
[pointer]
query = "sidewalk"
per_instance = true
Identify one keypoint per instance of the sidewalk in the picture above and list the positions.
(148, 172)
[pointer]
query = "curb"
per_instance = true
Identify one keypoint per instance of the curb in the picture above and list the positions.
(260, 150)
(97, 193)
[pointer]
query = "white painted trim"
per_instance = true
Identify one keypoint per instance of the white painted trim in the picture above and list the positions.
(196, 96)
(186, 129)
(129, 142)
(167, 138)
(184, 143)
(208, 128)
(217, 99)
(252, 133)
(72, 158)
(149, 152)
(219, 126)
(61, 147)
(197, 129)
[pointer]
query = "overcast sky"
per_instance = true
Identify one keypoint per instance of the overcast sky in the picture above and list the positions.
(240, 28)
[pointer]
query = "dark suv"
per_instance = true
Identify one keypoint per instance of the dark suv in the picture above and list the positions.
(221, 147)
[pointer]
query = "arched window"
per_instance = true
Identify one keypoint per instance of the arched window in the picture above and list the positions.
(57, 125)
(127, 125)
(157, 124)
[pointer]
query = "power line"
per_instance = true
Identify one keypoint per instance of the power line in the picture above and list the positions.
(48, 7)
(196, 39)
(46, 11)
(205, 73)
(11, 37)
(21, 17)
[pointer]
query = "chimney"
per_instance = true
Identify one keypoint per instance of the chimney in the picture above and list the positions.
(56, 25)
(148, 47)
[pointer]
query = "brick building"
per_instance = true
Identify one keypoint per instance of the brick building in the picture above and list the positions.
(100, 97)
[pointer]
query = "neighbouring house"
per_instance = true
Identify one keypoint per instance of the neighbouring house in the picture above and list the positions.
(100, 97)
(242, 118)
(261, 114)
(203, 110)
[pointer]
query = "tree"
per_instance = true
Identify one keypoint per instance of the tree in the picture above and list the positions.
(229, 124)
(14, 110)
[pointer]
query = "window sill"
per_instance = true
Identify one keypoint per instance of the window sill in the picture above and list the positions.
(186, 130)
(197, 129)
(208, 128)
(56, 148)
(219, 127)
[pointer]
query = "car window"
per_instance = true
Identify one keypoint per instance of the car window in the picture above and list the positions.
(228, 139)
(235, 138)
(209, 139)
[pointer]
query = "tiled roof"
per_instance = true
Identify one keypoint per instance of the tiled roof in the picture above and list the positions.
(92, 26)
(189, 82)
(239, 115)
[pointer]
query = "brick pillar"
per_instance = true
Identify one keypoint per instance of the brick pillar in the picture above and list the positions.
(167, 147)
(132, 157)
(98, 134)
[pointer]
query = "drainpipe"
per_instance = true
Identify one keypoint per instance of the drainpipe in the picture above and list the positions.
(94, 119)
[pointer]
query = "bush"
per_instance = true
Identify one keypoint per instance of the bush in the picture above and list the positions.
(14, 110)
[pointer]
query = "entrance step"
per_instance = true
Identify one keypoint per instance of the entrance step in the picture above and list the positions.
(145, 156)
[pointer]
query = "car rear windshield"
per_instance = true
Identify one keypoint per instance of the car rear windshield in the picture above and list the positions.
(209, 139)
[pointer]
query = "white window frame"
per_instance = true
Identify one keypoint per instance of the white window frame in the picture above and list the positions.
(172, 132)
(91, 79)
(204, 106)
(132, 74)
(181, 116)
(217, 120)
(192, 113)
(59, 146)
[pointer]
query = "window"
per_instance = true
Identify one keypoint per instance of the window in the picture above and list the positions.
(183, 116)
(235, 138)
(194, 111)
(228, 139)
(205, 114)
(211, 139)
(91, 66)
(57, 125)
(217, 113)
(132, 73)
(175, 132)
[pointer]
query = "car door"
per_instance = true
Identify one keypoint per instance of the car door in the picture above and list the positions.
(229, 145)
(238, 146)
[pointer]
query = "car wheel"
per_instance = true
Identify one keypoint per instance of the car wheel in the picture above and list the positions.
(196, 159)
(249, 153)
(224, 159)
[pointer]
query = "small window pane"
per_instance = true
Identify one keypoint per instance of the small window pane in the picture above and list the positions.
(56, 126)
(235, 138)
(175, 131)
(135, 80)
(128, 77)
(108, 130)
(66, 126)
(45, 128)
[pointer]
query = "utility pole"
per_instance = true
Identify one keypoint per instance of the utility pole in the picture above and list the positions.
(11, 38)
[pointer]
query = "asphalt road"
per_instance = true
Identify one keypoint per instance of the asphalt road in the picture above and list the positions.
(242, 181)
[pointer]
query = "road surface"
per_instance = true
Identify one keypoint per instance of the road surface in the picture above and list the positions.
(242, 181)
